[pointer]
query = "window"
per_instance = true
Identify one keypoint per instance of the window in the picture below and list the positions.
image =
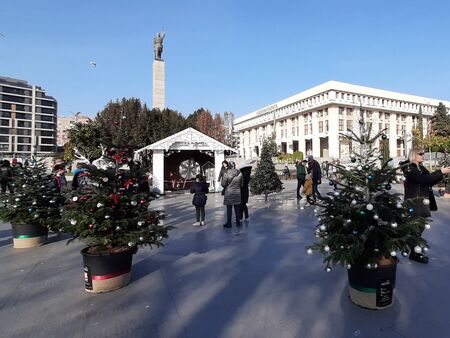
(45, 118)
(341, 111)
(12, 90)
(6, 114)
(48, 110)
(23, 116)
(47, 141)
(46, 148)
(46, 103)
(320, 126)
(341, 125)
(4, 123)
(326, 126)
(13, 98)
(23, 132)
(306, 129)
(44, 125)
(23, 148)
(4, 130)
(6, 106)
(23, 139)
(23, 124)
(4, 139)
(349, 125)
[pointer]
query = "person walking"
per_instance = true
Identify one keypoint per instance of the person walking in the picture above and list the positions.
(418, 188)
(315, 170)
(246, 170)
(308, 189)
(6, 177)
(199, 189)
(232, 184)
(301, 174)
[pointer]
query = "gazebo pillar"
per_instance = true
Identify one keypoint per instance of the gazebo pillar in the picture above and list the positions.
(219, 156)
(158, 169)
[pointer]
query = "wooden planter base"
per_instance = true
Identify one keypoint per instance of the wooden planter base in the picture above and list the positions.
(28, 236)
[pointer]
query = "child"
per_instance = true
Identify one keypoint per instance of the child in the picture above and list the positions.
(199, 189)
(308, 189)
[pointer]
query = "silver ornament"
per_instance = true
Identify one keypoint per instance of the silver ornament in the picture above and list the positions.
(131, 244)
(399, 205)
(75, 198)
(393, 253)
(326, 248)
(117, 228)
(140, 223)
(376, 217)
(105, 179)
(425, 249)
(141, 239)
(369, 207)
(354, 202)
(328, 269)
(404, 254)
(100, 205)
(427, 226)
(107, 217)
(323, 227)
(336, 193)
(359, 168)
(133, 203)
(73, 221)
(394, 224)
(348, 266)
(426, 201)
(417, 249)
(309, 251)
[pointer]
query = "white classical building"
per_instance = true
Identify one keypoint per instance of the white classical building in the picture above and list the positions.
(312, 120)
(183, 146)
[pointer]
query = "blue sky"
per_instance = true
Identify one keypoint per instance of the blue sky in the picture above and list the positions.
(229, 55)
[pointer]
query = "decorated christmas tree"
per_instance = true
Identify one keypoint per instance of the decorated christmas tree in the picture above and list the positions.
(363, 223)
(34, 199)
(109, 213)
(266, 181)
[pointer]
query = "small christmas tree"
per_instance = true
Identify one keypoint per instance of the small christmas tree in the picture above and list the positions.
(266, 181)
(34, 199)
(110, 214)
(362, 222)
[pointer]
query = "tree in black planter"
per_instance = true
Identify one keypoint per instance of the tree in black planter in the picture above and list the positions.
(112, 218)
(362, 226)
(34, 207)
(266, 181)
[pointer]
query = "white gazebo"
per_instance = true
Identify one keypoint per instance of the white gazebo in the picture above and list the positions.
(187, 139)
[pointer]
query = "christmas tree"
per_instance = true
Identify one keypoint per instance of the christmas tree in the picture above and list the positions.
(110, 214)
(362, 222)
(34, 199)
(266, 181)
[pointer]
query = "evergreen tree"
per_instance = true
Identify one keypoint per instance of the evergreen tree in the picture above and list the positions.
(86, 137)
(440, 122)
(266, 181)
(110, 214)
(34, 200)
(363, 222)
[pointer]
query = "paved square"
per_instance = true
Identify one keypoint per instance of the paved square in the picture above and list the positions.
(207, 282)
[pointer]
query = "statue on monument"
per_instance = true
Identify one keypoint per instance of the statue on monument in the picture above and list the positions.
(158, 45)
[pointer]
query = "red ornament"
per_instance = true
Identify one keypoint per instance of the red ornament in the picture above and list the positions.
(128, 182)
(142, 201)
(117, 157)
(115, 198)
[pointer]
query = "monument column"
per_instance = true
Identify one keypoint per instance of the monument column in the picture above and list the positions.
(159, 91)
(158, 84)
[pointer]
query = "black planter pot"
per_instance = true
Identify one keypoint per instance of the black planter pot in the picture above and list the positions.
(373, 288)
(106, 272)
(28, 235)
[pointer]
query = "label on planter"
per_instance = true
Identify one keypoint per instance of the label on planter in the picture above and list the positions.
(87, 278)
(384, 292)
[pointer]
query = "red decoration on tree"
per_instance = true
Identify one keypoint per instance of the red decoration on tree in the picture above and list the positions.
(91, 226)
(115, 198)
(117, 157)
(128, 182)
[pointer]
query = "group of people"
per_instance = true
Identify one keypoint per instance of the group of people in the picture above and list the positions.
(309, 176)
(235, 185)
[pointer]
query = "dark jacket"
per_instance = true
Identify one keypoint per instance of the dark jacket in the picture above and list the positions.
(314, 168)
(223, 170)
(232, 183)
(199, 189)
(419, 182)
(6, 173)
(246, 171)
(301, 171)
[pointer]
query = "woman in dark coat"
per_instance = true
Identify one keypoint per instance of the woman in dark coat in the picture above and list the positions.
(418, 189)
(232, 184)
(246, 170)
(199, 189)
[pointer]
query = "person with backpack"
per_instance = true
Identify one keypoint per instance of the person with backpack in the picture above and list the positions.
(6, 176)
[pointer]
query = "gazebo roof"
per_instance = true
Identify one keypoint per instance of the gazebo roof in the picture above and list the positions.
(187, 139)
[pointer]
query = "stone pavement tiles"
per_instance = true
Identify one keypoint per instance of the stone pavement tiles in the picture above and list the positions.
(257, 281)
